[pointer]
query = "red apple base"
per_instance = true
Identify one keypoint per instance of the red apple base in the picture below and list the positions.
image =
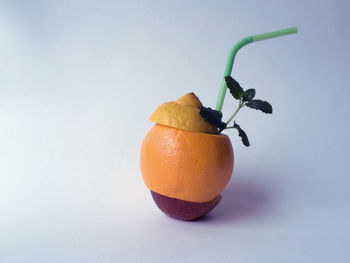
(184, 210)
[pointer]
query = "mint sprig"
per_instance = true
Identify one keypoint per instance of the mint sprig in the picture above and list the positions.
(245, 98)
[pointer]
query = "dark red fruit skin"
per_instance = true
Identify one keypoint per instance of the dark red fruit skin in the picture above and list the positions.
(184, 210)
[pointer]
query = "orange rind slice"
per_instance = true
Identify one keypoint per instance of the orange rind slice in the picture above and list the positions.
(183, 114)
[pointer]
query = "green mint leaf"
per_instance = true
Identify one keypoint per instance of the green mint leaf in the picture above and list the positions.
(249, 94)
(264, 106)
(241, 134)
(213, 117)
(234, 87)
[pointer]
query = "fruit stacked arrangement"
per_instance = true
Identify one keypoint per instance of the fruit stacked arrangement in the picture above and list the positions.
(185, 160)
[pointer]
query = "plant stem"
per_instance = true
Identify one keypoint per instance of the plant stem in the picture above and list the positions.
(240, 105)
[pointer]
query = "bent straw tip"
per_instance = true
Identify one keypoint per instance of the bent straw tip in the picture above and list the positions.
(273, 34)
(293, 30)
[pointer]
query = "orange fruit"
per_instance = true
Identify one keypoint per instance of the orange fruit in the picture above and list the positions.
(186, 165)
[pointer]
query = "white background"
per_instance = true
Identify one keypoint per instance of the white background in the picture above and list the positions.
(78, 81)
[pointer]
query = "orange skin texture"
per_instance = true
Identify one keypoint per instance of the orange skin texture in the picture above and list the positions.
(190, 166)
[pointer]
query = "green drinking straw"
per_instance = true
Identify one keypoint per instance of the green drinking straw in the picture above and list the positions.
(238, 46)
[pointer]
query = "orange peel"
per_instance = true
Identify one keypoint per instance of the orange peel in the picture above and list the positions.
(189, 166)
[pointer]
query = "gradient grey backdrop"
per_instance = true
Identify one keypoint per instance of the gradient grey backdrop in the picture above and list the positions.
(78, 80)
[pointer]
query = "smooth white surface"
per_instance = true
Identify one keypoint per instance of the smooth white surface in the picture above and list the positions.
(78, 81)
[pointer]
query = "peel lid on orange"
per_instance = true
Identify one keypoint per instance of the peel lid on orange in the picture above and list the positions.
(183, 114)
